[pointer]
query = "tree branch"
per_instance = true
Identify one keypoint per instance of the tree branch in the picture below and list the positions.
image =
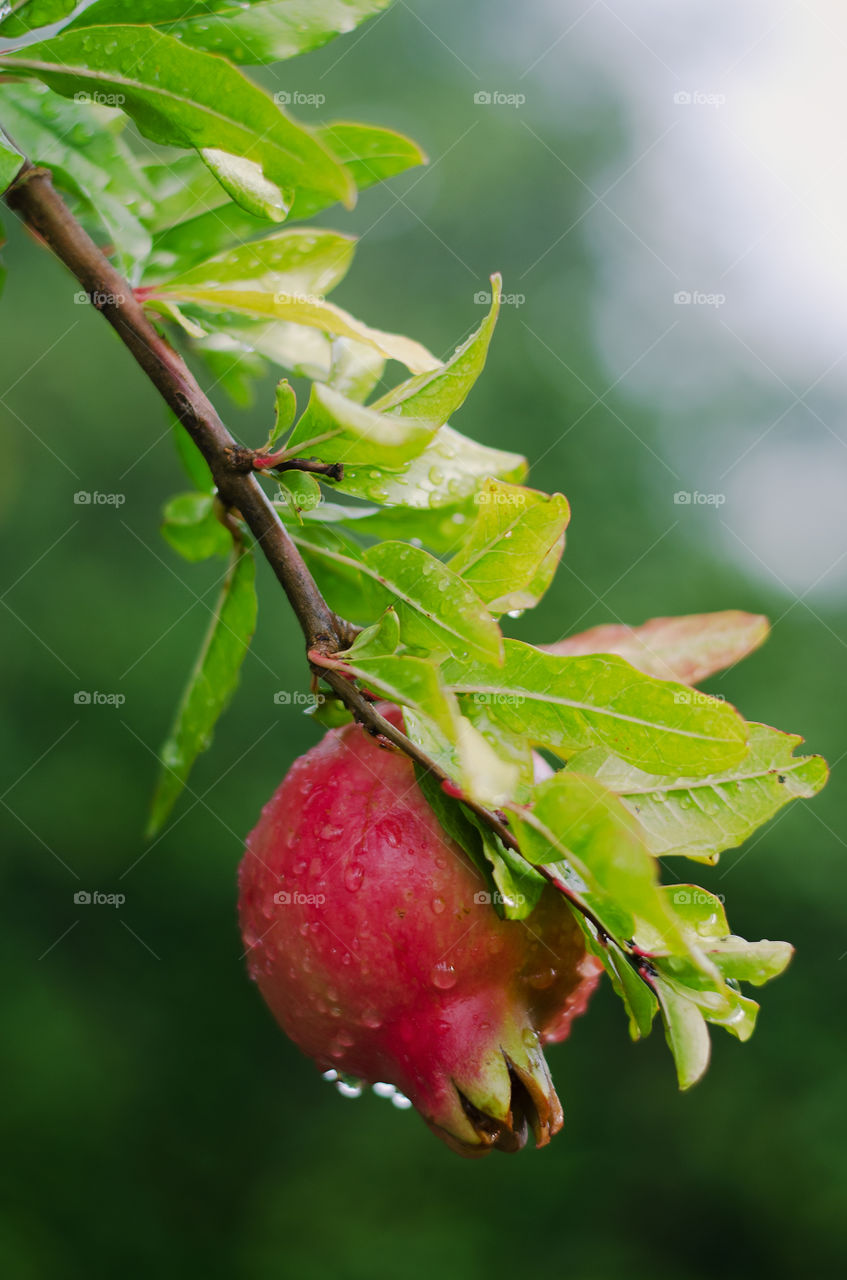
(44, 211)
(33, 197)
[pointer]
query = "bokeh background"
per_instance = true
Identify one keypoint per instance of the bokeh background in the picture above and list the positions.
(155, 1120)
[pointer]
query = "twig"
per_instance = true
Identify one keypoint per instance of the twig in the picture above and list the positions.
(44, 211)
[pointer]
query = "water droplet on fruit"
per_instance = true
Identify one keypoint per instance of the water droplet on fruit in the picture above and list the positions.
(542, 979)
(437, 905)
(331, 1075)
(304, 929)
(353, 876)
(348, 1090)
(345, 1038)
(400, 1101)
(299, 866)
(371, 1019)
(391, 832)
(443, 976)
(331, 832)
(383, 1090)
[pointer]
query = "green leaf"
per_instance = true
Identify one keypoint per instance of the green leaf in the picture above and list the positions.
(343, 579)
(298, 309)
(450, 470)
(437, 610)
(336, 429)
(21, 18)
(293, 261)
(687, 649)
(248, 32)
(210, 686)
(410, 682)
(686, 1033)
(700, 817)
(184, 98)
(196, 220)
(377, 641)
(369, 153)
(233, 369)
(11, 163)
(436, 395)
(568, 704)
(285, 404)
(583, 834)
(355, 369)
(192, 528)
(736, 958)
(300, 491)
(515, 545)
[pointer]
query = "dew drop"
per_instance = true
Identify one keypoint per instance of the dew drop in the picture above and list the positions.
(437, 905)
(383, 1090)
(371, 1019)
(353, 876)
(400, 1101)
(348, 1090)
(443, 976)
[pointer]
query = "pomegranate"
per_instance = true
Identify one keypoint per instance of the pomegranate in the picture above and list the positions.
(375, 945)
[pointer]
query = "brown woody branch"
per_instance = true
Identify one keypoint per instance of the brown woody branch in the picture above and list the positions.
(33, 197)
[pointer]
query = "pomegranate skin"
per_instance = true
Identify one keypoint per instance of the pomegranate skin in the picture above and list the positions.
(370, 937)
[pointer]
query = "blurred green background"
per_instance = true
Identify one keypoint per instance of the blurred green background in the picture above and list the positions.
(155, 1119)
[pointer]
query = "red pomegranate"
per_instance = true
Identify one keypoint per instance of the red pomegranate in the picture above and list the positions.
(376, 947)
